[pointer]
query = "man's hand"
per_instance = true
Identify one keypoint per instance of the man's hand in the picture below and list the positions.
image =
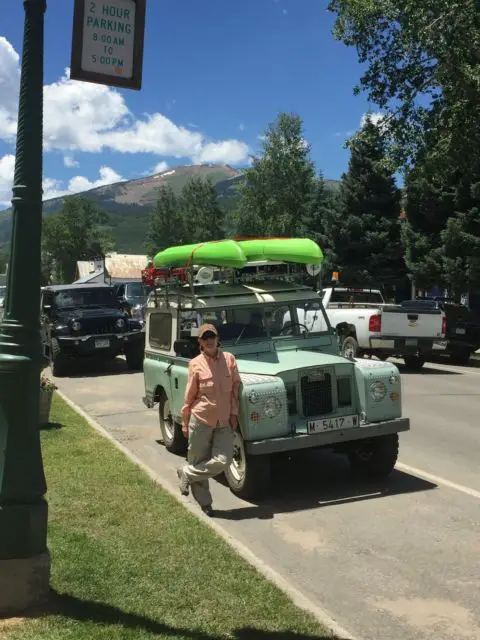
(185, 430)
(233, 422)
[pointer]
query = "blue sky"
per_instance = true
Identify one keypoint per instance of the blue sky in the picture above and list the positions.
(216, 72)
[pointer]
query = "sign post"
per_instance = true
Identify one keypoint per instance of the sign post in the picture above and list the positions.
(107, 43)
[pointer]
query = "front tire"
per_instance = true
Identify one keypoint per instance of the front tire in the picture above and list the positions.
(414, 363)
(374, 458)
(134, 355)
(57, 359)
(349, 348)
(247, 476)
(172, 435)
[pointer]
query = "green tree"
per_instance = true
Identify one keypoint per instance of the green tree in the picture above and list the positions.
(366, 231)
(421, 63)
(201, 213)
(166, 227)
(77, 232)
(317, 223)
(277, 193)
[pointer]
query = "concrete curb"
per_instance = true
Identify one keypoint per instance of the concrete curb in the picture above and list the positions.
(298, 598)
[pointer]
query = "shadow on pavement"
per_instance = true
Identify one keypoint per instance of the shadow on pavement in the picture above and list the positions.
(103, 614)
(427, 371)
(98, 368)
(320, 479)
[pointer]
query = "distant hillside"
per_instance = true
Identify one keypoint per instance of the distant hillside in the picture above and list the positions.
(129, 203)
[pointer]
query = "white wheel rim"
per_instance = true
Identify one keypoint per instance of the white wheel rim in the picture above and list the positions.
(167, 420)
(349, 351)
(238, 466)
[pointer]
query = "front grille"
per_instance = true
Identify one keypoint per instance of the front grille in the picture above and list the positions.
(98, 327)
(316, 394)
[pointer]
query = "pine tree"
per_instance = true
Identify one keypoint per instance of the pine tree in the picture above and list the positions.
(202, 216)
(366, 235)
(166, 224)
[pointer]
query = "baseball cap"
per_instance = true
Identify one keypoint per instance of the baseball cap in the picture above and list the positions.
(205, 329)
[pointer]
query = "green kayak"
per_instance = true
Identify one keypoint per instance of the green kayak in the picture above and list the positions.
(224, 253)
(298, 250)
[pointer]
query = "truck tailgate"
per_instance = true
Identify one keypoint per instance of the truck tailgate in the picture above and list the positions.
(412, 323)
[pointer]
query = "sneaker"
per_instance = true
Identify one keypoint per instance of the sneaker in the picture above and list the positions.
(183, 482)
(208, 511)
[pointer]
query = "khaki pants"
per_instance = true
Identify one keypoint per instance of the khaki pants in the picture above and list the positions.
(210, 451)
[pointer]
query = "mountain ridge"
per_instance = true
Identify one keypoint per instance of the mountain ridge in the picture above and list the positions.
(129, 202)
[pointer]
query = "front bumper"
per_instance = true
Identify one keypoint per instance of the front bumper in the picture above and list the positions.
(306, 441)
(98, 345)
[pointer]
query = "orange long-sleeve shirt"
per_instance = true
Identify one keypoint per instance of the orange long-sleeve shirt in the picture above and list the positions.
(211, 394)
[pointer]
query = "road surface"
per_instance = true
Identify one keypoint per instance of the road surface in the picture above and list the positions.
(388, 561)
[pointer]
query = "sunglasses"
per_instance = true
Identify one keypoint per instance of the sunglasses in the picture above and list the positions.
(207, 335)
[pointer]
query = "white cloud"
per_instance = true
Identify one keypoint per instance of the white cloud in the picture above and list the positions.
(225, 152)
(159, 168)
(70, 162)
(91, 118)
(7, 166)
(375, 116)
(52, 188)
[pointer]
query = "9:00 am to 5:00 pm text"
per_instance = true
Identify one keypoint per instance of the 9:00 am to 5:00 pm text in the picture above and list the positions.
(108, 37)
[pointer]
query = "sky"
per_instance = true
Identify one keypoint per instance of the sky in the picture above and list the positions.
(215, 74)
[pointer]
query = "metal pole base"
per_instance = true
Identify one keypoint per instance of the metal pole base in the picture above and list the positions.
(24, 584)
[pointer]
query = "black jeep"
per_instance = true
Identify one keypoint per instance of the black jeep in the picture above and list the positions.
(81, 321)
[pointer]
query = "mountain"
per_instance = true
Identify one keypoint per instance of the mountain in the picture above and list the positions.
(129, 203)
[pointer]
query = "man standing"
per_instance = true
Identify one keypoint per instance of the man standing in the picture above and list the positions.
(209, 416)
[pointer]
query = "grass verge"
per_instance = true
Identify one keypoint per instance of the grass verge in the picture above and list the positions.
(130, 562)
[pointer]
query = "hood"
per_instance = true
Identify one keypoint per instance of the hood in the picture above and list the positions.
(276, 362)
(96, 312)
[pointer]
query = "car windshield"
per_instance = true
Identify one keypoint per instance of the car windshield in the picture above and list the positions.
(136, 290)
(260, 322)
(76, 298)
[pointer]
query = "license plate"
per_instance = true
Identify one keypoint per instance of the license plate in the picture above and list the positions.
(333, 424)
(102, 344)
(460, 332)
(411, 342)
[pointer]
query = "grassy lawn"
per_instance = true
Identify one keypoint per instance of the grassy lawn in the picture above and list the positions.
(130, 562)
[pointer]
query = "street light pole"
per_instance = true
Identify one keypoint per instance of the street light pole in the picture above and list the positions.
(24, 557)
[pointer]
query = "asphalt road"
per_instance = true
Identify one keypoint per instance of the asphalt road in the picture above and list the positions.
(390, 561)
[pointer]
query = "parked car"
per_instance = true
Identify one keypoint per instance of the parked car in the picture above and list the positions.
(85, 321)
(297, 392)
(462, 337)
(366, 324)
(133, 295)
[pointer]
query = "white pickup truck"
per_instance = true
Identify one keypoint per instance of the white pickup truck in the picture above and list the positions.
(367, 325)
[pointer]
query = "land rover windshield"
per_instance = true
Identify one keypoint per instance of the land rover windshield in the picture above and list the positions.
(259, 322)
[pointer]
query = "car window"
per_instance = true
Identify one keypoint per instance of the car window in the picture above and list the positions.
(78, 297)
(136, 290)
(356, 297)
(160, 330)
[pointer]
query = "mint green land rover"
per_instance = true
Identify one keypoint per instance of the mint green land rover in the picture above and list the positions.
(297, 392)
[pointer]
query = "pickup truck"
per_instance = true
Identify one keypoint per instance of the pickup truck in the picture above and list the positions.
(367, 325)
(462, 336)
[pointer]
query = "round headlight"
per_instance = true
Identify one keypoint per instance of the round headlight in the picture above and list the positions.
(120, 323)
(378, 391)
(253, 397)
(76, 326)
(272, 407)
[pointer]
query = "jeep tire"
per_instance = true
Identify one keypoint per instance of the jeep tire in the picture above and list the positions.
(172, 435)
(375, 458)
(247, 476)
(414, 363)
(57, 359)
(134, 354)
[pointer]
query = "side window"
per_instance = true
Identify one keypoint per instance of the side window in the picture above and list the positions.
(47, 299)
(160, 331)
